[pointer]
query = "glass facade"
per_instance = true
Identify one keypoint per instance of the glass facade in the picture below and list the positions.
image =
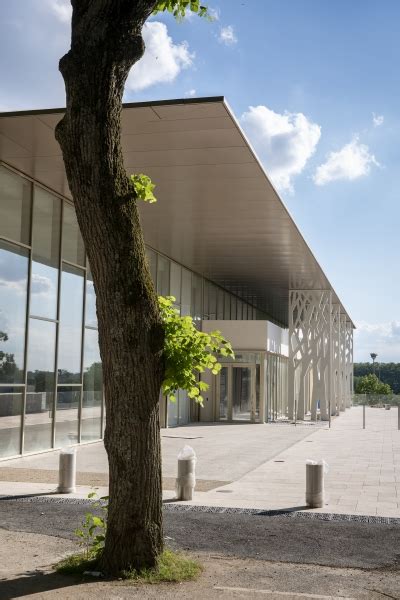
(50, 369)
(276, 377)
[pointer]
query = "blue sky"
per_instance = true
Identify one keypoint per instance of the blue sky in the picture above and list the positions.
(316, 87)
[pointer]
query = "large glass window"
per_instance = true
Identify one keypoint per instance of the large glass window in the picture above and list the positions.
(67, 412)
(162, 276)
(244, 311)
(173, 412)
(45, 254)
(233, 307)
(13, 288)
(10, 420)
(92, 399)
(90, 307)
(223, 394)
(72, 243)
(183, 408)
(40, 386)
(71, 313)
(197, 297)
(239, 310)
(220, 304)
(227, 306)
(186, 303)
(212, 299)
(206, 299)
(15, 206)
(175, 286)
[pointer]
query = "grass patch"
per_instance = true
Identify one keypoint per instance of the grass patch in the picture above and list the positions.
(76, 564)
(172, 567)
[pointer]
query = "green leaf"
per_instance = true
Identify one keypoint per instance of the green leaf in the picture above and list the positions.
(143, 187)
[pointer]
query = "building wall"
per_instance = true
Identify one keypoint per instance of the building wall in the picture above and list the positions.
(50, 369)
(262, 343)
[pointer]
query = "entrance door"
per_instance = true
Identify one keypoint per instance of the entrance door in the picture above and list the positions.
(236, 393)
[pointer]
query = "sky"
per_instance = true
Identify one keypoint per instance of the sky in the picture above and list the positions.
(314, 85)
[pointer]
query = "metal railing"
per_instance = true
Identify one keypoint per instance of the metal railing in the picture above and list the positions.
(377, 401)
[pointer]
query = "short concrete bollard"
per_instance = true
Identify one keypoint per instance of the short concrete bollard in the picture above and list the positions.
(315, 483)
(186, 480)
(67, 471)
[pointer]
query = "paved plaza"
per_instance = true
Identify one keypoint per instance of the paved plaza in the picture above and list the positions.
(256, 466)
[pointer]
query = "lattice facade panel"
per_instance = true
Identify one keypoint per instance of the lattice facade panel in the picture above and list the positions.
(309, 352)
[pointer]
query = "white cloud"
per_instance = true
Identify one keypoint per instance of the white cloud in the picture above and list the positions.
(41, 285)
(162, 61)
(62, 9)
(382, 338)
(377, 119)
(284, 142)
(352, 161)
(190, 93)
(227, 36)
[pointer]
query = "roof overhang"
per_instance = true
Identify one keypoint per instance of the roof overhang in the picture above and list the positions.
(217, 212)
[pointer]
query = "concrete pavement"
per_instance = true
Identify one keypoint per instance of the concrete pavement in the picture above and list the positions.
(258, 466)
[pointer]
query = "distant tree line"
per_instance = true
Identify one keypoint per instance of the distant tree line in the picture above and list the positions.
(388, 373)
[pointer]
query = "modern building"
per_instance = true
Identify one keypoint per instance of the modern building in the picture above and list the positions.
(219, 239)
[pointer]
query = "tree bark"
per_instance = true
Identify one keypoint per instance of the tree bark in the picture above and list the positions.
(106, 41)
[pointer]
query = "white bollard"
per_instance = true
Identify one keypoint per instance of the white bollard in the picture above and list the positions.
(67, 471)
(186, 480)
(315, 483)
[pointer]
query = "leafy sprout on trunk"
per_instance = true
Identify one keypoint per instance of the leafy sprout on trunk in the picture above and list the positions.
(188, 352)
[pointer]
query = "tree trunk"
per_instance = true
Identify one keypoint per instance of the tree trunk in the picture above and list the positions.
(106, 41)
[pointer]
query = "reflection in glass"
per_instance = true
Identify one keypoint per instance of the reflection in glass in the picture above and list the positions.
(162, 276)
(257, 411)
(11, 399)
(90, 308)
(175, 286)
(183, 408)
(233, 307)
(72, 243)
(92, 388)
(40, 386)
(186, 300)
(223, 394)
(197, 298)
(227, 306)
(45, 254)
(15, 206)
(239, 310)
(13, 294)
(206, 299)
(44, 285)
(173, 412)
(220, 303)
(244, 311)
(241, 393)
(67, 412)
(70, 340)
(212, 306)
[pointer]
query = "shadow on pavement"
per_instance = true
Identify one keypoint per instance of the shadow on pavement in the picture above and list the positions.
(21, 496)
(282, 511)
(35, 583)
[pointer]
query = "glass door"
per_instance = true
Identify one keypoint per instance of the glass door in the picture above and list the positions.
(237, 393)
(241, 395)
